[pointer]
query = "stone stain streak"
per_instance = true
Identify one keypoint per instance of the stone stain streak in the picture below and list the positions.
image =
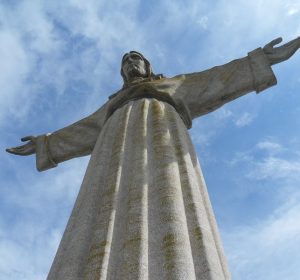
(204, 248)
(103, 232)
(133, 244)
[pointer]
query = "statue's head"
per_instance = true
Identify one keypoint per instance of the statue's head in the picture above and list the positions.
(135, 65)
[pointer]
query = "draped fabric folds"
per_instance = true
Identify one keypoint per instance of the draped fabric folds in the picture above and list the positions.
(143, 211)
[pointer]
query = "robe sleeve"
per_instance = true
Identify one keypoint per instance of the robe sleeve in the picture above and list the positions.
(75, 140)
(206, 91)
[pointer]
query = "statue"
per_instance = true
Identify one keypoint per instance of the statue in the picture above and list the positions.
(143, 210)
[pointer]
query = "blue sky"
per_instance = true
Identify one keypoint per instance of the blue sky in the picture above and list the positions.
(60, 60)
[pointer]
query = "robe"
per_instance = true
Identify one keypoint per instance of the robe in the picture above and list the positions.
(143, 210)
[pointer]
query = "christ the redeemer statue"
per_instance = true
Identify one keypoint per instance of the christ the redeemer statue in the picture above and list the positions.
(143, 211)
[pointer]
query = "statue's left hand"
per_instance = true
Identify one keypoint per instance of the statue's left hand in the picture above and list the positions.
(282, 53)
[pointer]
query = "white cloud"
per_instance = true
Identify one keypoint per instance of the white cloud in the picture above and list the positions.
(277, 162)
(241, 157)
(27, 258)
(269, 146)
(244, 120)
(293, 8)
(30, 192)
(267, 249)
(15, 67)
(30, 237)
(222, 114)
(35, 55)
(32, 21)
(206, 129)
(275, 168)
(203, 22)
(25, 34)
(232, 31)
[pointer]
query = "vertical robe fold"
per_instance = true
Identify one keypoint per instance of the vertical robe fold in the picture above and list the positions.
(143, 210)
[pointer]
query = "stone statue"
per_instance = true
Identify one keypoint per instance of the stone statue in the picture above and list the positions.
(143, 210)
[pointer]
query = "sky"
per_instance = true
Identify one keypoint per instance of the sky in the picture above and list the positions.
(60, 60)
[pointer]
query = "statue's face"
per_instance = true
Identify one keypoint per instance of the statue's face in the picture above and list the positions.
(133, 65)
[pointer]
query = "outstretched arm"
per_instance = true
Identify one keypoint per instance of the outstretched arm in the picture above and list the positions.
(72, 141)
(206, 91)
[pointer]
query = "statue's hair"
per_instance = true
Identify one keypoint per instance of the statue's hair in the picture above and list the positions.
(149, 72)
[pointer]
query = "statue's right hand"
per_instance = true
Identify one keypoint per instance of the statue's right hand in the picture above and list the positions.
(24, 150)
